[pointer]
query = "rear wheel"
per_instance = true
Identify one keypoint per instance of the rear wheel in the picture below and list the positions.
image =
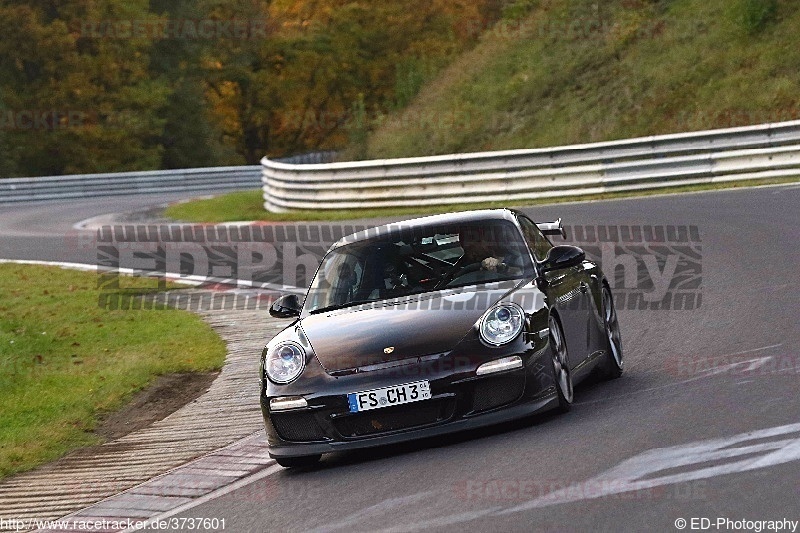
(561, 372)
(614, 363)
(298, 462)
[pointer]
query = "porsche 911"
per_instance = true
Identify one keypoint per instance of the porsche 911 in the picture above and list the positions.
(434, 325)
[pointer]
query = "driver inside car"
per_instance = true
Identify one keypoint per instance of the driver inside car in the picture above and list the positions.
(485, 250)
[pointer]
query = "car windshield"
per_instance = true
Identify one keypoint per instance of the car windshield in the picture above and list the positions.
(417, 260)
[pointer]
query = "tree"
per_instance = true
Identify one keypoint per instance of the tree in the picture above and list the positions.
(135, 85)
(190, 137)
(69, 63)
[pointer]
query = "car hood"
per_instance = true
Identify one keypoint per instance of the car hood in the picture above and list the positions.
(426, 324)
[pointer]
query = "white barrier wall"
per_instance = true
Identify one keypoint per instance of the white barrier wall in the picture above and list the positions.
(752, 152)
(126, 183)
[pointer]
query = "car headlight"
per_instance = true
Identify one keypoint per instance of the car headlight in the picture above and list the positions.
(284, 362)
(502, 324)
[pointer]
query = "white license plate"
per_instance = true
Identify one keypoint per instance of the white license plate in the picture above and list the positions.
(387, 396)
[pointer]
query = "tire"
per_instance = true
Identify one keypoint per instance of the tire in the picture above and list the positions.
(614, 363)
(560, 361)
(298, 462)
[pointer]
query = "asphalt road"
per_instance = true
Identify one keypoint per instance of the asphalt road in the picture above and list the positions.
(705, 423)
(44, 231)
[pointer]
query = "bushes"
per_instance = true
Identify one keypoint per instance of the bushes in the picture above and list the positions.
(754, 15)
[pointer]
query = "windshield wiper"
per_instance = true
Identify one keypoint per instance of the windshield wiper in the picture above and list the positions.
(339, 306)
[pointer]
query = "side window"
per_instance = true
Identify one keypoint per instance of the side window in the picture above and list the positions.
(344, 273)
(535, 239)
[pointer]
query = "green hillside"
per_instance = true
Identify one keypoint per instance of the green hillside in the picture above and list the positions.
(554, 72)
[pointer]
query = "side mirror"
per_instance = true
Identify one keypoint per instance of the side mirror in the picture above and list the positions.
(562, 257)
(287, 306)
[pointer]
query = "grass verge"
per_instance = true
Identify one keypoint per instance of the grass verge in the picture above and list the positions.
(248, 205)
(66, 362)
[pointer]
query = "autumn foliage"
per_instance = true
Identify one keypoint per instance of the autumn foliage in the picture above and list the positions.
(101, 85)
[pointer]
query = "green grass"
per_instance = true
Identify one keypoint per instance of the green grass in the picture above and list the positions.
(231, 207)
(249, 205)
(65, 362)
(558, 72)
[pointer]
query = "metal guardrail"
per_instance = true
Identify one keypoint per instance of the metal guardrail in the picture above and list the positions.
(214, 179)
(310, 158)
(127, 183)
(752, 152)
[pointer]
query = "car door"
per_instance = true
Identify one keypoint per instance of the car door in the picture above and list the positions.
(566, 290)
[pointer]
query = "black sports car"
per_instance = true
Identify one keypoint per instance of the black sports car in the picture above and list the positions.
(434, 325)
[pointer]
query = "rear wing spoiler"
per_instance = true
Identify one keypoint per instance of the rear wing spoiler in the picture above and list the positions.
(552, 228)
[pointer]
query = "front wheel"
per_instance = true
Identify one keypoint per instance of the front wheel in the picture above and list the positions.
(561, 372)
(298, 462)
(614, 364)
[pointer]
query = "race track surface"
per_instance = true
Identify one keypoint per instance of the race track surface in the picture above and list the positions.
(705, 422)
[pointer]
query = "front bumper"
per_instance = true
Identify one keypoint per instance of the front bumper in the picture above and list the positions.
(460, 401)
